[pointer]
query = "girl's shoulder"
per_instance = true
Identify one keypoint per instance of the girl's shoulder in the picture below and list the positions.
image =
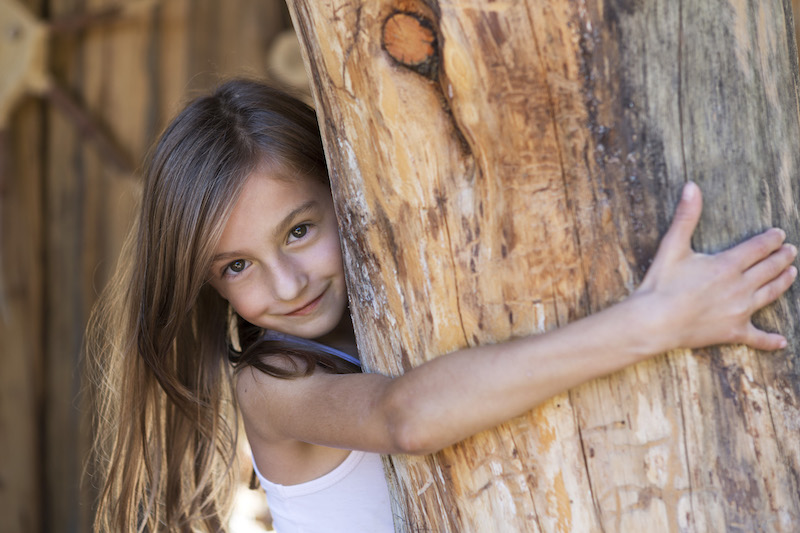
(265, 399)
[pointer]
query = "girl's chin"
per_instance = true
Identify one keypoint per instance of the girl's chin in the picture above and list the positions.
(311, 329)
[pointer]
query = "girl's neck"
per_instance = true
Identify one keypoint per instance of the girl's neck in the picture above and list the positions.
(342, 337)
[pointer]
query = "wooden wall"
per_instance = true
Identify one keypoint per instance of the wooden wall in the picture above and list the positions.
(65, 209)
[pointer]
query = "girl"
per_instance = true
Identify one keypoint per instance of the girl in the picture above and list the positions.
(235, 258)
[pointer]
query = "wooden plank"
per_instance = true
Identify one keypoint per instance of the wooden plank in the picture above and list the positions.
(21, 327)
(66, 305)
(243, 31)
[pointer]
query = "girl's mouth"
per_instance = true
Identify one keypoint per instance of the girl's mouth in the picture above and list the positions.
(308, 308)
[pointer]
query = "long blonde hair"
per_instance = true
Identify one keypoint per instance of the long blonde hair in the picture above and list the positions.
(157, 342)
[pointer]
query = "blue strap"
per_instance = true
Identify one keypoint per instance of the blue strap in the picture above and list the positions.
(308, 343)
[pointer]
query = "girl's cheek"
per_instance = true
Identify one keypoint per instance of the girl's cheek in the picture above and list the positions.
(333, 246)
(238, 298)
(244, 309)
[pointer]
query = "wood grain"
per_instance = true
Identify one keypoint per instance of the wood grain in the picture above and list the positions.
(525, 183)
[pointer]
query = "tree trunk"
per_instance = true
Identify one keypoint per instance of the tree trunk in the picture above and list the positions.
(504, 168)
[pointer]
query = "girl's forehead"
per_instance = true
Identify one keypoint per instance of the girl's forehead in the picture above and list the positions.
(284, 175)
(280, 187)
(267, 200)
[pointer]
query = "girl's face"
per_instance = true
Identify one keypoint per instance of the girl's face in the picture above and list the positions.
(278, 262)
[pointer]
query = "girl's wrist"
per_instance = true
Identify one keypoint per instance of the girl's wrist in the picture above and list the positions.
(652, 331)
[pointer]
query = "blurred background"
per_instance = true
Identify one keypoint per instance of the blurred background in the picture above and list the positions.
(85, 88)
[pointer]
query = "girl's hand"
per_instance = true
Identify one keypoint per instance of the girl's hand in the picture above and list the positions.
(699, 300)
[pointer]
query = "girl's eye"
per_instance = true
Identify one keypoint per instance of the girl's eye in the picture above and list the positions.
(298, 232)
(235, 267)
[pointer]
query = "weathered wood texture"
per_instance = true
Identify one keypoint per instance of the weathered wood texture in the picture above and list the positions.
(66, 208)
(796, 11)
(510, 168)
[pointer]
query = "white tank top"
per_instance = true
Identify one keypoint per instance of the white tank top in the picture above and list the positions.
(352, 498)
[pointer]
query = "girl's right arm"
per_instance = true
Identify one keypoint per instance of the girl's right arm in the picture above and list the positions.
(687, 300)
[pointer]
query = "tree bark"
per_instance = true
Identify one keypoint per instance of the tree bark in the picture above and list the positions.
(503, 168)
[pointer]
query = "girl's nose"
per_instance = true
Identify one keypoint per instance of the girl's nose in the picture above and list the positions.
(288, 279)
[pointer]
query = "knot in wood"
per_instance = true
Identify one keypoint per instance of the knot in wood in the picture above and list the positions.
(409, 39)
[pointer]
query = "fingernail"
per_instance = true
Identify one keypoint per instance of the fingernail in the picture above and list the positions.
(793, 271)
(782, 344)
(689, 190)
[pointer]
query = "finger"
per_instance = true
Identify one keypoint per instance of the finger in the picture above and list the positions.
(772, 290)
(771, 267)
(755, 249)
(763, 340)
(678, 239)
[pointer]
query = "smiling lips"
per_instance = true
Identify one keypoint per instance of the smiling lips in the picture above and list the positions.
(308, 308)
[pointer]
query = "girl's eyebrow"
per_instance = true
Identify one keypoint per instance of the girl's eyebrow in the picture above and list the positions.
(288, 219)
(225, 255)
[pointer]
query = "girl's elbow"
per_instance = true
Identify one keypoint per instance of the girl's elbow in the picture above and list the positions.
(408, 432)
(409, 439)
